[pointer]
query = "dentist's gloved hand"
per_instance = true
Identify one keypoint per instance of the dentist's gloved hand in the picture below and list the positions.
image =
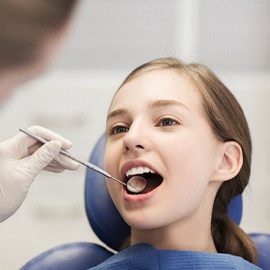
(22, 158)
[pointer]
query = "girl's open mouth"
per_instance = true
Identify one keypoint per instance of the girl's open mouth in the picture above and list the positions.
(153, 180)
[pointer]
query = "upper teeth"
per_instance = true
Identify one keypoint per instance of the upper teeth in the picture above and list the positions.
(139, 170)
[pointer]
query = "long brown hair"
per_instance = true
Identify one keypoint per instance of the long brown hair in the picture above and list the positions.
(26, 24)
(228, 123)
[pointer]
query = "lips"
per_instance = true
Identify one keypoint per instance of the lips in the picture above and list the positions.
(152, 177)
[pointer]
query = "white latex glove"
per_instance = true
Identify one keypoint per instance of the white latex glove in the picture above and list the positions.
(22, 158)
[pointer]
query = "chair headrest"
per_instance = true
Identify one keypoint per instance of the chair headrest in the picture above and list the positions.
(103, 216)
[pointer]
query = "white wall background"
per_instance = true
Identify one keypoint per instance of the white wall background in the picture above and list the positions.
(107, 40)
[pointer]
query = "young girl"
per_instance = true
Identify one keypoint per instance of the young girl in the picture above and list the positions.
(180, 128)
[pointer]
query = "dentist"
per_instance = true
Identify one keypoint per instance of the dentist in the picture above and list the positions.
(31, 32)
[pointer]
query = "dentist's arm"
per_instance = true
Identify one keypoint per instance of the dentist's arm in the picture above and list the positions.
(22, 158)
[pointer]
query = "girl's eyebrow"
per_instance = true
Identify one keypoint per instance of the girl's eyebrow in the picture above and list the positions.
(169, 102)
(153, 104)
(116, 113)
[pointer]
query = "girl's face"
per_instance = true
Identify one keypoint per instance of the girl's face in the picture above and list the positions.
(156, 127)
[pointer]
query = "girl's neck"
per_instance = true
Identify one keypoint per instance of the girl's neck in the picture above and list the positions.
(196, 237)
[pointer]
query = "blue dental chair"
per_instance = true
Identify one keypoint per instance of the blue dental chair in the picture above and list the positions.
(111, 229)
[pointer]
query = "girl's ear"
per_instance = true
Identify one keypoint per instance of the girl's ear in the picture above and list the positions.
(230, 162)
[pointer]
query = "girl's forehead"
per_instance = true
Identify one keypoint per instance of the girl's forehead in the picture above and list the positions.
(158, 84)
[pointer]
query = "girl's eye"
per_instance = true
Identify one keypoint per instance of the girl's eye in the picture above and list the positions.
(118, 129)
(167, 122)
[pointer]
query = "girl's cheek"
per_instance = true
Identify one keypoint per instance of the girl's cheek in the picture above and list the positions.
(109, 162)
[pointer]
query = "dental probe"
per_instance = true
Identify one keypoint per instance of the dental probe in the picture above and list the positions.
(130, 185)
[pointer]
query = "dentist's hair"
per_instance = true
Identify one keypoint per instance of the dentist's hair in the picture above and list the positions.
(228, 123)
(25, 27)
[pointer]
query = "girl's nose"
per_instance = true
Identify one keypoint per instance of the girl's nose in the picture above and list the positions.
(136, 139)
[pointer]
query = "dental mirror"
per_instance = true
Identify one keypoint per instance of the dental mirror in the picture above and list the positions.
(136, 184)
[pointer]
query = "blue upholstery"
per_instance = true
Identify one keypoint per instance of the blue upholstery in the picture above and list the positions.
(73, 256)
(235, 209)
(109, 226)
(262, 242)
